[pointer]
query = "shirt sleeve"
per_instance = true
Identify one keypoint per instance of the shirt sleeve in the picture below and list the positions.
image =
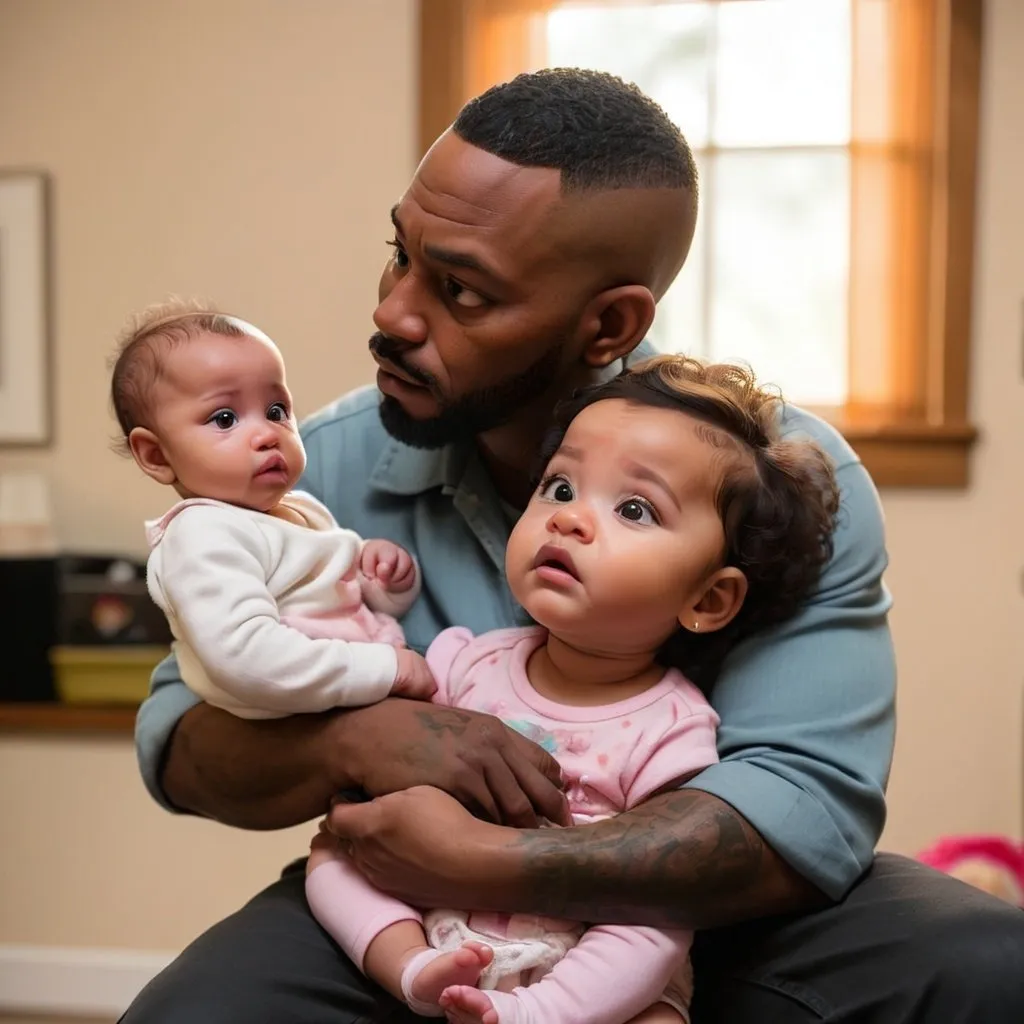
(808, 711)
(169, 698)
(213, 578)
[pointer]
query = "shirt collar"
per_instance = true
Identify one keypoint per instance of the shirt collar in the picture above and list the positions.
(407, 471)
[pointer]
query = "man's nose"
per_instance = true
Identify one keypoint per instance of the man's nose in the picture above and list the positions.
(573, 519)
(398, 312)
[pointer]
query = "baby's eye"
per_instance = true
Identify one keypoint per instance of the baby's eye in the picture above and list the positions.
(636, 510)
(557, 489)
(278, 412)
(223, 419)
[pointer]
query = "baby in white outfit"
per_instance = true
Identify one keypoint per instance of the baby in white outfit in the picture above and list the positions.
(275, 608)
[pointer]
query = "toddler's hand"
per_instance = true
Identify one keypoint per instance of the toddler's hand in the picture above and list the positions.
(388, 564)
(414, 679)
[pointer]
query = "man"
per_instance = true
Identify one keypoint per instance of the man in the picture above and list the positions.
(529, 252)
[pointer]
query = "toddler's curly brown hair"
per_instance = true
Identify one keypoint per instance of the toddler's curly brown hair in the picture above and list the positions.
(778, 498)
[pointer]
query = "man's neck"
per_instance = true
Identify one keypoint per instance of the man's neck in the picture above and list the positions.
(510, 452)
(510, 455)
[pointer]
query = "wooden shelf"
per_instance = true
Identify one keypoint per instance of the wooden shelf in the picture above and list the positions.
(67, 718)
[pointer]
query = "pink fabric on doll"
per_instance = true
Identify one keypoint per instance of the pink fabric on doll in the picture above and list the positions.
(989, 862)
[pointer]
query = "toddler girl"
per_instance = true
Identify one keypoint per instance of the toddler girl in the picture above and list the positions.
(671, 522)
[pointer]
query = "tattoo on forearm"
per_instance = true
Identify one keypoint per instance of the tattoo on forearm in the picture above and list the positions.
(682, 859)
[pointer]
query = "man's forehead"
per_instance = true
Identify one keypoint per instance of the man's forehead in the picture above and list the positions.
(459, 182)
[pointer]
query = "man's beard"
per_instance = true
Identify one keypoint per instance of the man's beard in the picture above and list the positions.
(471, 414)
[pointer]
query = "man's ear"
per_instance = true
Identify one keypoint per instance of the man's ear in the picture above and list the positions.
(616, 321)
(149, 455)
(718, 604)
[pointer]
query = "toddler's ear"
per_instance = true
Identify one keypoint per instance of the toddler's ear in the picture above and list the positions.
(718, 604)
(149, 455)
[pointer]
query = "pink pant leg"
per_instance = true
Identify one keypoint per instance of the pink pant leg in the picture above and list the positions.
(351, 910)
(609, 977)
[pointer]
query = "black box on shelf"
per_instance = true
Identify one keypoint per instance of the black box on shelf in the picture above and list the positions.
(59, 605)
(28, 627)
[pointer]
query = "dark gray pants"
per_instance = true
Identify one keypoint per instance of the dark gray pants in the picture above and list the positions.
(907, 945)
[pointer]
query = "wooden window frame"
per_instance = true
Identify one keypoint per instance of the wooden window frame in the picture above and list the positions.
(928, 445)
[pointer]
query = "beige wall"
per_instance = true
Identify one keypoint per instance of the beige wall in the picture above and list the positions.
(243, 150)
(248, 150)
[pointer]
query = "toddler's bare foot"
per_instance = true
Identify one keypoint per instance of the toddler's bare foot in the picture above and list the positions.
(465, 1005)
(460, 968)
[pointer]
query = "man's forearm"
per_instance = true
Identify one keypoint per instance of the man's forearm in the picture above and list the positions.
(252, 774)
(682, 859)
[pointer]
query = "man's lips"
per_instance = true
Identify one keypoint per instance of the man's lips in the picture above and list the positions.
(393, 371)
(555, 564)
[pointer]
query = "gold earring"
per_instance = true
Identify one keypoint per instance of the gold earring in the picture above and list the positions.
(696, 626)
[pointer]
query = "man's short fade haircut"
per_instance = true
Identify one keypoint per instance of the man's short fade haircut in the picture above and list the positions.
(597, 130)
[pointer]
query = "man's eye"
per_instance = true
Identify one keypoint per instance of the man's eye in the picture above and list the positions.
(636, 510)
(557, 489)
(223, 419)
(278, 412)
(463, 296)
(400, 257)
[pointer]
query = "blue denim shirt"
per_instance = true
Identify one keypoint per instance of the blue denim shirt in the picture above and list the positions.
(807, 710)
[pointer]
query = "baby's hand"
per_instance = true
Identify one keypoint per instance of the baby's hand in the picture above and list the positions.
(388, 565)
(414, 679)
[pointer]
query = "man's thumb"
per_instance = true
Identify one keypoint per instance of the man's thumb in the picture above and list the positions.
(350, 821)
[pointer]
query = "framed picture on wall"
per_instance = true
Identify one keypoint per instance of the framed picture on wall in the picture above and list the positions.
(25, 414)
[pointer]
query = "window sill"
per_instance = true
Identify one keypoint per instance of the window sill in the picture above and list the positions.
(914, 455)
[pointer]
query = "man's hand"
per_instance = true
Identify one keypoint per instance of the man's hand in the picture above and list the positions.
(388, 565)
(414, 679)
(422, 846)
(492, 770)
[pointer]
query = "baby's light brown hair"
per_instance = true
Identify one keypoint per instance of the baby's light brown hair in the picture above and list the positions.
(138, 362)
(777, 501)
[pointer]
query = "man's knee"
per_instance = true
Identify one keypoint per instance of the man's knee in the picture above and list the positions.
(196, 996)
(974, 964)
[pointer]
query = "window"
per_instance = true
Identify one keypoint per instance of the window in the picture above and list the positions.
(836, 142)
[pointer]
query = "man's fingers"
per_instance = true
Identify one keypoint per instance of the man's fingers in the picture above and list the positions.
(539, 758)
(479, 800)
(544, 795)
(514, 805)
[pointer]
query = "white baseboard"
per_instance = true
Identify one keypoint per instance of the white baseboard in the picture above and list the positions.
(73, 981)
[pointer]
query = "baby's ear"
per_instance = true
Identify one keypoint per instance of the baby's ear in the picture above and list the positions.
(149, 455)
(719, 603)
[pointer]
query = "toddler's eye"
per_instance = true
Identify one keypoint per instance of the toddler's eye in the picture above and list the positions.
(277, 413)
(557, 489)
(637, 511)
